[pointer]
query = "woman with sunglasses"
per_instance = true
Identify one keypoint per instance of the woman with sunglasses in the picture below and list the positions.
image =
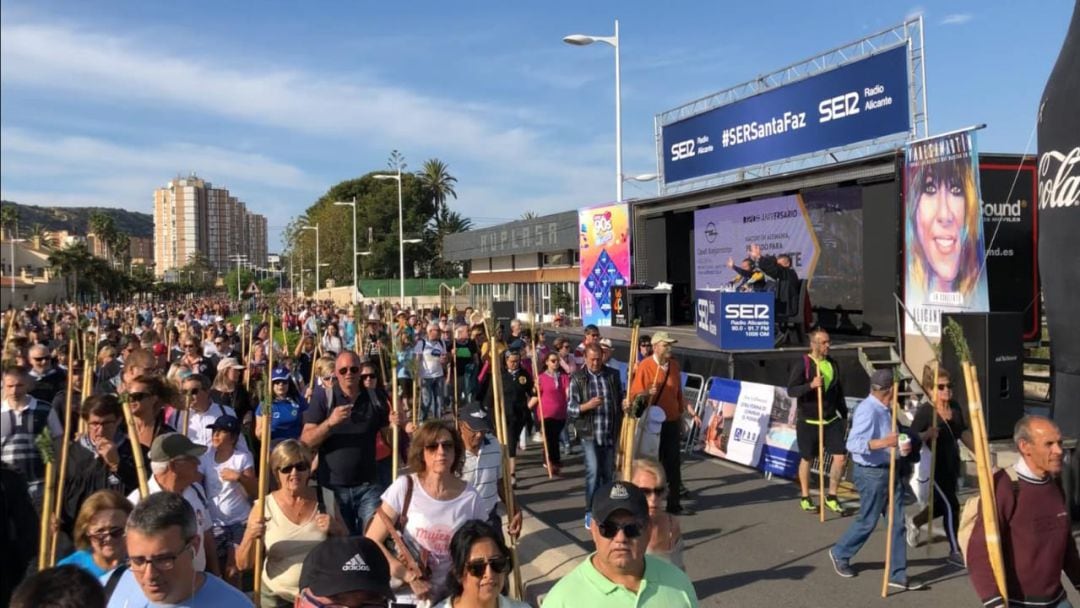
(425, 507)
(292, 523)
(949, 430)
(666, 539)
(481, 566)
(286, 411)
(99, 533)
(147, 396)
(554, 388)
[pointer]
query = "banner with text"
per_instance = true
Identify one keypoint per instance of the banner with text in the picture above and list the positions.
(751, 424)
(943, 232)
(604, 242)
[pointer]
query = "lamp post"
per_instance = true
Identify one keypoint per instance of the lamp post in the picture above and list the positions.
(583, 40)
(401, 233)
(316, 229)
(643, 177)
(352, 204)
(239, 287)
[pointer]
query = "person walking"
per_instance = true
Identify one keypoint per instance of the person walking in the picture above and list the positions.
(596, 396)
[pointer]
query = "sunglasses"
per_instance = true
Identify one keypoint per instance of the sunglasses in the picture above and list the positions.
(40, 358)
(351, 370)
(299, 467)
(658, 492)
(105, 535)
(368, 376)
(137, 396)
(946, 386)
(631, 530)
(191, 346)
(327, 378)
(477, 567)
(447, 446)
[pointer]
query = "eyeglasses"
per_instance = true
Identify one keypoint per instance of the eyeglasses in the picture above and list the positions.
(105, 535)
(138, 396)
(327, 378)
(299, 467)
(658, 492)
(631, 530)
(447, 446)
(100, 423)
(193, 391)
(368, 376)
(346, 371)
(161, 562)
(477, 567)
(946, 386)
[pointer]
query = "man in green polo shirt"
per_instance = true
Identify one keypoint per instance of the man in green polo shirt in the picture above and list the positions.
(619, 574)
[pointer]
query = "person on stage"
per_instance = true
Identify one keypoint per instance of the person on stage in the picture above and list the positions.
(818, 369)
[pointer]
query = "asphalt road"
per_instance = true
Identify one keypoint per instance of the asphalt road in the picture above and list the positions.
(750, 545)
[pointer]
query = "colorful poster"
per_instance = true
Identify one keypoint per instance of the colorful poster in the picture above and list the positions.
(943, 232)
(605, 259)
(751, 424)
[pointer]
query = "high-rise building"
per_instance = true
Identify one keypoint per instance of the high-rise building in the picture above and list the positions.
(192, 215)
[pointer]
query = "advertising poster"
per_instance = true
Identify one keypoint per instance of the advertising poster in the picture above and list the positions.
(943, 232)
(604, 245)
(751, 424)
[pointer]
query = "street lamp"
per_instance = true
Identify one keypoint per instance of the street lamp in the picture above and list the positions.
(316, 229)
(583, 40)
(643, 177)
(401, 232)
(239, 287)
(353, 205)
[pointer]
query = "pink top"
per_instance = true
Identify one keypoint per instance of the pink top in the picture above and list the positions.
(553, 393)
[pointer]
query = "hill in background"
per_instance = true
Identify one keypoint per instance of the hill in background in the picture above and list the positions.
(76, 219)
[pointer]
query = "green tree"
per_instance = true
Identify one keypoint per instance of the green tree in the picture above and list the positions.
(529, 215)
(43, 236)
(9, 220)
(268, 285)
(104, 229)
(438, 183)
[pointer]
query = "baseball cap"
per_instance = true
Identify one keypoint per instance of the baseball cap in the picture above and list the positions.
(476, 418)
(619, 496)
(226, 423)
(882, 378)
(229, 363)
(605, 343)
(174, 445)
(662, 336)
(247, 316)
(344, 564)
(280, 373)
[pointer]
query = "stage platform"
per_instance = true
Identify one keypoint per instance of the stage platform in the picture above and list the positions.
(767, 366)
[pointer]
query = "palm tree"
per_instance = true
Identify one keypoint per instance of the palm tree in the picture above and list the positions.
(396, 161)
(9, 219)
(436, 180)
(70, 262)
(43, 236)
(529, 215)
(104, 229)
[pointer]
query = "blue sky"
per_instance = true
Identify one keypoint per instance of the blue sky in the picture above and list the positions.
(102, 102)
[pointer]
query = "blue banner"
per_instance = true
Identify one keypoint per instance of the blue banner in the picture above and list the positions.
(736, 321)
(857, 102)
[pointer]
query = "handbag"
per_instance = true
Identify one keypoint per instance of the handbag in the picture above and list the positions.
(415, 558)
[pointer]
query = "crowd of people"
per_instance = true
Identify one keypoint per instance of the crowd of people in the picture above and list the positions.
(159, 414)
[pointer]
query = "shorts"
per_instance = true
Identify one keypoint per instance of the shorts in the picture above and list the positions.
(228, 536)
(806, 435)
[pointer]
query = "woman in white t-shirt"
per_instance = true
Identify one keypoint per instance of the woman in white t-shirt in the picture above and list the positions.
(438, 504)
(230, 485)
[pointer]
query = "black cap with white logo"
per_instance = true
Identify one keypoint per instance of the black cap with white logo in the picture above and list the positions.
(345, 564)
(476, 418)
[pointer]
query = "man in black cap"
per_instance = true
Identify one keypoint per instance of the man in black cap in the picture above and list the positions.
(483, 464)
(619, 573)
(345, 571)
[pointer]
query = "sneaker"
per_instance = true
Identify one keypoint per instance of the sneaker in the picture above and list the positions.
(842, 568)
(588, 520)
(833, 504)
(536, 438)
(906, 585)
(956, 559)
(807, 505)
(912, 534)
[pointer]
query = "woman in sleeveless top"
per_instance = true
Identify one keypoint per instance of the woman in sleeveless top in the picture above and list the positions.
(292, 523)
(666, 541)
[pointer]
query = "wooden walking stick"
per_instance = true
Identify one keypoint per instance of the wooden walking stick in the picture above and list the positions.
(136, 447)
(44, 444)
(933, 459)
(892, 496)
(629, 426)
(264, 464)
(395, 432)
(539, 395)
(987, 502)
(821, 442)
(64, 446)
(185, 416)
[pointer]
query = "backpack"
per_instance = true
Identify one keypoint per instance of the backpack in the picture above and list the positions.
(970, 512)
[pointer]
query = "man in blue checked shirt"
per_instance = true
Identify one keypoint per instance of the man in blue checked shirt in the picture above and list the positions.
(869, 443)
(596, 395)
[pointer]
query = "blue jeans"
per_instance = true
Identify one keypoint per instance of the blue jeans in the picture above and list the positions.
(599, 467)
(873, 487)
(358, 505)
(431, 395)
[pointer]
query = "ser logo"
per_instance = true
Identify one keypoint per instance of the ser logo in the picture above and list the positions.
(746, 311)
(839, 107)
(682, 150)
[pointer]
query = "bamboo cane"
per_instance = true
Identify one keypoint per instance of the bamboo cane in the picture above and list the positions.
(933, 461)
(314, 357)
(64, 446)
(629, 425)
(892, 498)
(415, 392)
(395, 432)
(136, 447)
(539, 394)
(987, 502)
(502, 432)
(185, 416)
(455, 366)
(44, 444)
(821, 443)
(264, 464)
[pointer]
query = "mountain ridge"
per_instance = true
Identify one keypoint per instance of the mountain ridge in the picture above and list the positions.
(77, 219)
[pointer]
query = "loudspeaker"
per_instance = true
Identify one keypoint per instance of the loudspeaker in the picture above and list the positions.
(996, 343)
(504, 311)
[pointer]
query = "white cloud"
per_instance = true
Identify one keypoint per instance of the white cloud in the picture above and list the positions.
(956, 19)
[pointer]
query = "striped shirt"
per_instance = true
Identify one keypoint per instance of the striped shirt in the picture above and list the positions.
(483, 470)
(19, 429)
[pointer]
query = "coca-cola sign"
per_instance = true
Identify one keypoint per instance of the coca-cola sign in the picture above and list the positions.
(1059, 179)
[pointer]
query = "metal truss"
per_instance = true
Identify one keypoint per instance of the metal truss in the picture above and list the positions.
(909, 34)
